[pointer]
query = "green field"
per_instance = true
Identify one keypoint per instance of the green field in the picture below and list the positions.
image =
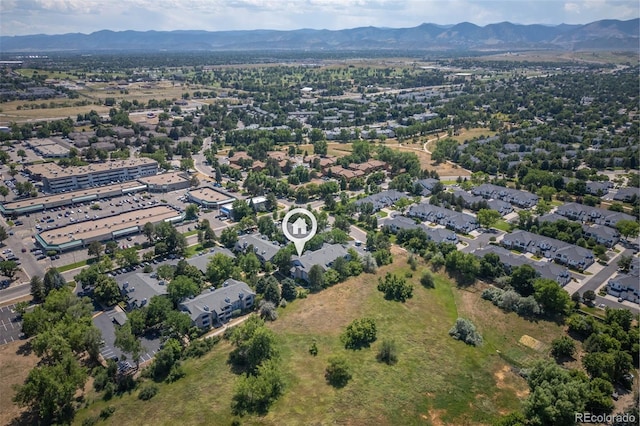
(437, 379)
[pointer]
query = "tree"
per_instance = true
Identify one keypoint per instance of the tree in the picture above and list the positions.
(219, 268)
(37, 288)
(522, 278)
(624, 263)
(49, 390)
(128, 342)
(191, 212)
(556, 395)
(628, 228)
(4, 191)
(3, 233)
(289, 290)
(95, 249)
(316, 278)
(53, 280)
(256, 392)
(106, 291)
(282, 260)
(8, 268)
(254, 344)
(320, 146)
(589, 297)
(229, 237)
(360, 333)
(388, 352)
(487, 218)
(180, 288)
(241, 209)
(272, 293)
(465, 331)
(337, 372)
(268, 311)
(395, 288)
(563, 347)
(551, 297)
(149, 231)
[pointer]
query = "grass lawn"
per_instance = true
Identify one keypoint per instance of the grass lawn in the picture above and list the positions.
(502, 225)
(437, 380)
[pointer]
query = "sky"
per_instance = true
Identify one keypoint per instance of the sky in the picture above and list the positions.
(23, 17)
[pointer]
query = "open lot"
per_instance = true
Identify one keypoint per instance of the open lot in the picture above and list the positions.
(437, 380)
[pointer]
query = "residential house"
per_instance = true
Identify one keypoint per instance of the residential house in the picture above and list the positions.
(597, 215)
(560, 251)
(201, 261)
(239, 156)
(516, 197)
(323, 257)
(625, 286)
(369, 167)
(399, 222)
(440, 235)
(602, 234)
(382, 199)
(339, 172)
(262, 247)
(574, 256)
(216, 306)
(598, 188)
(459, 222)
(544, 269)
(626, 194)
(428, 185)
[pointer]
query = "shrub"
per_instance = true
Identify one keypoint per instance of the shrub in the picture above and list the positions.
(106, 412)
(395, 288)
(90, 421)
(268, 311)
(427, 280)
(465, 331)
(360, 333)
(148, 392)
(313, 349)
(147, 269)
(388, 353)
(176, 373)
(337, 372)
(563, 347)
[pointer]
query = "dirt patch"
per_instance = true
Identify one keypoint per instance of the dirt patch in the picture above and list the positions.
(532, 343)
(506, 379)
(435, 417)
(16, 364)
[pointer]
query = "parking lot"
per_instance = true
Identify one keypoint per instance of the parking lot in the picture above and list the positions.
(10, 325)
(104, 321)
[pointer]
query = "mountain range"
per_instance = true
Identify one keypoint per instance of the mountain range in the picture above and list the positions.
(604, 35)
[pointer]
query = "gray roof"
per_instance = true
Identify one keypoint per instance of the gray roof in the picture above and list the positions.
(629, 281)
(201, 260)
(551, 217)
(513, 196)
(626, 194)
(214, 300)
(382, 199)
(427, 185)
(323, 257)
(262, 247)
(440, 235)
(402, 222)
(140, 287)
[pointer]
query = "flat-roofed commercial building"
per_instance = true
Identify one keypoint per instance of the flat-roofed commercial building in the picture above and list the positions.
(57, 179)
(210, 198)
(81, 234)
(167, 182)
(48, 148)
(29, 205)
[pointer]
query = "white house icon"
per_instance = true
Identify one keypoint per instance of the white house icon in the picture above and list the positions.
(299, 227)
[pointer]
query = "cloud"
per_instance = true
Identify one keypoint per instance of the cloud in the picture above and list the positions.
(62, 16)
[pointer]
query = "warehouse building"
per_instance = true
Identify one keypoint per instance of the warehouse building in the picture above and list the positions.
(209, 197)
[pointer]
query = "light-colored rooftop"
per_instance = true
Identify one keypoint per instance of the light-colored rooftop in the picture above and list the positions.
(55, 198)
(164, 179)
(106, 225)
(53, 170)
(209, 195)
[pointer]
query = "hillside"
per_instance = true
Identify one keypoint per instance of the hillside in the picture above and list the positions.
(605, 34)
(437, 379)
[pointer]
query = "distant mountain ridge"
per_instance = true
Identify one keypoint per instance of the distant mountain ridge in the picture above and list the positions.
(605, 34)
